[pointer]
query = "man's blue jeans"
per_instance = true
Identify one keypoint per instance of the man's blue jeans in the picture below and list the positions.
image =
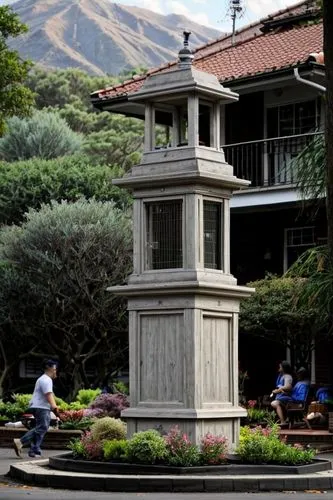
(36, 435)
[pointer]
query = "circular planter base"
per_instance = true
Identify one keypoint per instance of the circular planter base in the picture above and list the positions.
(39, 473)
(66, 462)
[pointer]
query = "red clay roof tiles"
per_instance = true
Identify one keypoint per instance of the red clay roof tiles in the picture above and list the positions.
(257, 53)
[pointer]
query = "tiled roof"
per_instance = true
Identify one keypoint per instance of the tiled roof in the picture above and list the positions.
(265, 53)
(255, 52)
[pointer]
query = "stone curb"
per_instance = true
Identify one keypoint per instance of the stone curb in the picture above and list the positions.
(36, 473)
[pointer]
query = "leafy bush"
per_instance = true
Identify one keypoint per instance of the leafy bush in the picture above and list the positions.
(43, 135)
(111, 404)
(61, 404)
(147, 447)
(92, 447)
(108, 428)
(29, 184)
(263, 446)
(121, 387)
(22, 400)
(87, 396)
(213, 449)
(77, 447)
(76, 406)
(12, 411)
(115, 449)
(84, 424)
(179, 449)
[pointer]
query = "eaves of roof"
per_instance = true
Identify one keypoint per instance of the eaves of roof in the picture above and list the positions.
(255, 55)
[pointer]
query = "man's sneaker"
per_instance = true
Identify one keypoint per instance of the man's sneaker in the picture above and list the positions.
(34, 454)
(18, 447)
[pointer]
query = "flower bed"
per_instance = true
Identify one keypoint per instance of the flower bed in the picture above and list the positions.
(106, 445)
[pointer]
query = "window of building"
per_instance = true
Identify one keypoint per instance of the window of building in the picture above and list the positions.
(164, 244)
(212, 212)
(293, 119)
(297, 241)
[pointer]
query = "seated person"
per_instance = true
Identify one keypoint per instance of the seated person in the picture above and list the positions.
(284, 381)
(324, 394)
(298, 394)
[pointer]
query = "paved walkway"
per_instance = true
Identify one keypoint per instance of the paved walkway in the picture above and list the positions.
(320, 481)
(8, 457)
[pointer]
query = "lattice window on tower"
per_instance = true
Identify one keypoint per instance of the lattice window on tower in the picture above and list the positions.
(164, 245)
(212, 212)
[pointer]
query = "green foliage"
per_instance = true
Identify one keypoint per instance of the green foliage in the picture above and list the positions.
(115, 450)
(313, 267)
(87, 396)
(109, 138)
(263, 446)
(77, 448)
(147, 447)
(112, 149)
(80, 425)
(274, 312)
(12, 411)
(22, 400)
(180, 452)
(61, 404)
(64, 257)
(258, 415)
(29, 184)
(108, 428)
(16, 98)
(310, 170)
(43, 135)
(121, 387)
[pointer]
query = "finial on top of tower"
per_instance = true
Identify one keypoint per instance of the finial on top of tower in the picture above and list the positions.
(185, 56)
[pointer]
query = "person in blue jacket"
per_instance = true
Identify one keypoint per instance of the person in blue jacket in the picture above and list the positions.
(298, 394)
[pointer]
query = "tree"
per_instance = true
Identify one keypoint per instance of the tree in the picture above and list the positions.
(32, 183)
(273, 312)
(44, 135)
(64, 257)
(15, 97)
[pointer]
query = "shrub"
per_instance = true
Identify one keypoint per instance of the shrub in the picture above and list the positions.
(180, 451)
(76, 406)
(73, 415)
(84, 424)
(43, 135)
(115, 449)
(61, 404)
(22, 401)
(147, 447)
(121, 387)
(11, 410)
(87, 396)
(93, 413)
(92, 447)
(213, 449)
(111, 404)
(108, 428)
(263, 446)
(77, 447)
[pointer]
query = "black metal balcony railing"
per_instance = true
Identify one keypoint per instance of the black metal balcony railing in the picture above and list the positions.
(267, 162)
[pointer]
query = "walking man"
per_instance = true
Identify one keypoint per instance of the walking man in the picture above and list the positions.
(41, 404)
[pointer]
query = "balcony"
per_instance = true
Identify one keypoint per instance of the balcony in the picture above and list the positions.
(267, 162)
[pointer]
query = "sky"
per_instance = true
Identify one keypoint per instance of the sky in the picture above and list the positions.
(213, 13)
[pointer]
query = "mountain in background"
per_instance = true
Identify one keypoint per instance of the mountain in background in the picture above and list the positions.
(101, 37)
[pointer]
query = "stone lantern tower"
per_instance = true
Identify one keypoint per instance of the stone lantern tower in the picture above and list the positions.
(183, 302)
